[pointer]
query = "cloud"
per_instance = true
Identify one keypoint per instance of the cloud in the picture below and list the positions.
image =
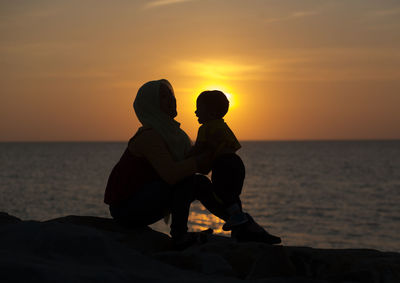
(292, 16)
(335, 64)
(382, 20)
(159, 3)
(386, 13)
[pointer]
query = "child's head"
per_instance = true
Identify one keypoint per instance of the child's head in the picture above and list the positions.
(211, 105)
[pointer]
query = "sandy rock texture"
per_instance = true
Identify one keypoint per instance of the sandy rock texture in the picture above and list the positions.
(93, 249)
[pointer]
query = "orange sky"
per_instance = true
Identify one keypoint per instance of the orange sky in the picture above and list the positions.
(69, 70)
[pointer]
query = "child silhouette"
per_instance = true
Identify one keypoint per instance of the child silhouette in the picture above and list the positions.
(228, 171)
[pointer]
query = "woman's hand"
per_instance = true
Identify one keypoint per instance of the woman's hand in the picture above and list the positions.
(204, 161)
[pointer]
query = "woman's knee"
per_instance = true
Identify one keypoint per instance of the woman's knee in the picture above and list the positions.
(202, 186)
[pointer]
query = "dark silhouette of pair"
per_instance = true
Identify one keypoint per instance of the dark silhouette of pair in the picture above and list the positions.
(156, 175)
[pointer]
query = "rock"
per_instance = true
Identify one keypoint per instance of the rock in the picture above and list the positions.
(347, 265)
(6, 218)
(143, 239)
(65, 252)
(82, 248)
(206, 263)
(275, 261)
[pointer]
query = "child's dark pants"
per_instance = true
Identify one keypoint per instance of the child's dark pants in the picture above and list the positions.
(228, 173)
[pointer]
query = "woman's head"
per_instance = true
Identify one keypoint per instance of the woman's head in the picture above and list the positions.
(167, 99)
(155, 99)
(155, 107)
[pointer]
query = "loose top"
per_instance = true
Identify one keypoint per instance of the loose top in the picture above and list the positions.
(217, 135)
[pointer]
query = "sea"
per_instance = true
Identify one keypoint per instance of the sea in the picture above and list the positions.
(321, 194)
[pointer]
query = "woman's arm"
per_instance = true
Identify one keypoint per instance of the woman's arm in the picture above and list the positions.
(197, 149)
(151, 146)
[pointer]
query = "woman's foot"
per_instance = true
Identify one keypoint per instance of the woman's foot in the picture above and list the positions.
(252, 232)
(188, 239)
(184, 241)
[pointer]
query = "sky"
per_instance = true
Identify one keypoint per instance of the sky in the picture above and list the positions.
(294, 70)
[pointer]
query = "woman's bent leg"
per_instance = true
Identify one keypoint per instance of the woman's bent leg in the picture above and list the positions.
(145, 207)
(182, 197)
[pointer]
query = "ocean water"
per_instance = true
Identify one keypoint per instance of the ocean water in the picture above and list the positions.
(328, 194)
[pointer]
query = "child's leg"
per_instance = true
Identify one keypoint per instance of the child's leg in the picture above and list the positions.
(205, 194)
(227, 177)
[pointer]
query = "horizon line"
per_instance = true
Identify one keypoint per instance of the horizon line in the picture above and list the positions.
(241, 140)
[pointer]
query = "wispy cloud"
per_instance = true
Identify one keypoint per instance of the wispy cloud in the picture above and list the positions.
(335, 64)
(159, 3)
(292, 16)
(386, 13)
(382, 20)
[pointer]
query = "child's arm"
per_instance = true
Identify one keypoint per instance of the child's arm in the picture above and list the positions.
(224, 141)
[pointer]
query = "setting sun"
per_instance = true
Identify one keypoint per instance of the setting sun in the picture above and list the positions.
(232, 99)
(285, 78)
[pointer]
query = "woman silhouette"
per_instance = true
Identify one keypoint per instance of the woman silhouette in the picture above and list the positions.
(153, 178)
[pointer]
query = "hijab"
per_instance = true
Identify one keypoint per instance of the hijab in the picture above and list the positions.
(148, 111)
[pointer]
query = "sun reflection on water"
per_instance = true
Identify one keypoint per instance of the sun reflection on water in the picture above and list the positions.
(202, 220)
(199, 219)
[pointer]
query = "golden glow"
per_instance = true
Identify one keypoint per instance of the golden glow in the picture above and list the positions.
(217, 70)
(217, 75)
(213, 86)
(56, 86)
(203, 221)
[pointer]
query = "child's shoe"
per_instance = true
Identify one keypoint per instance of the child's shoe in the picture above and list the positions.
(234, 221)
(252, 232)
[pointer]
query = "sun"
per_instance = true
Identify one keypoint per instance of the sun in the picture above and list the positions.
(229, 94)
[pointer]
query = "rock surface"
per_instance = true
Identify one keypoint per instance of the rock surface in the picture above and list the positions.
(82, 248)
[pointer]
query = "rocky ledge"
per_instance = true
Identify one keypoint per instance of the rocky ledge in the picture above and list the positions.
(86, 249)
